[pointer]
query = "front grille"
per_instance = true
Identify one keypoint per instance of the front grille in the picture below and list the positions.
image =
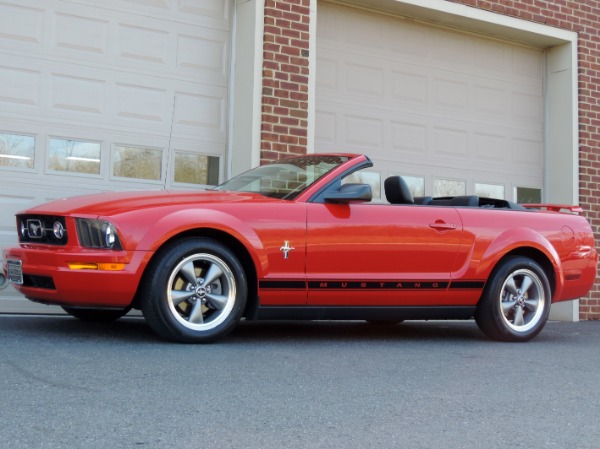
(45, 229)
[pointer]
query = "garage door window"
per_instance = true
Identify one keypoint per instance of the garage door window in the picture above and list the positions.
(17, 150)
(529, 195)
(449, 187)
(74, 156)
(490, 191)
(416, 184)
(137, 163)
(192, 168)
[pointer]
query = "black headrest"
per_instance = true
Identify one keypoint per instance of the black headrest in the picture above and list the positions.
(397, 191)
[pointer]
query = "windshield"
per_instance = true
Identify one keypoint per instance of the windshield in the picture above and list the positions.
(285, 179)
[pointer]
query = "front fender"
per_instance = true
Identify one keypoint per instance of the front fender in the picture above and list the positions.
(156, 231)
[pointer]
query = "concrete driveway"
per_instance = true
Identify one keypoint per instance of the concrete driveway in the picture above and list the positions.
(68, 384)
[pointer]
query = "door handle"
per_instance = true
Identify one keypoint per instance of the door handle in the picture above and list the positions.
(442, 226)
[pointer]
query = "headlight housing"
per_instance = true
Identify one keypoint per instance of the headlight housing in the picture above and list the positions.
(97, 234)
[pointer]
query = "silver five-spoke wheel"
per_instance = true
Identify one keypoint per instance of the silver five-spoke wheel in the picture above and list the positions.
(201, 291)
(194, 291)
(523, 300)
(516, 300)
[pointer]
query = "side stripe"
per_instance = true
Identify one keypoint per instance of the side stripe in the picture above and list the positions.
(370, 285)
(378, 285)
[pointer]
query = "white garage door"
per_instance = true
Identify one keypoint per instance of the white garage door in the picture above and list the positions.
(455, 113)
(107, 95)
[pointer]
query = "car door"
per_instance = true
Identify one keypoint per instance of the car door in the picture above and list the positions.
(280, 228)
(363, 254)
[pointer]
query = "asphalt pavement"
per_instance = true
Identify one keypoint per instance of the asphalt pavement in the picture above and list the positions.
(70, 384)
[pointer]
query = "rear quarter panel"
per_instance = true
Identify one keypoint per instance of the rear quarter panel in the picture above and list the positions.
(564, 240)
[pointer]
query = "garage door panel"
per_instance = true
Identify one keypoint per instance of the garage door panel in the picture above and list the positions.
(216, 9)
(211, 13)
(20, 88)
(21, 25)
(527, 65)
(142, 105)
(387, 86)
(491, 100)
(527, 108)
(408, 140)
(453, 49)
(78, 94)
(491, 148)
(82, 34)
(492, 59)
(450, 95)
(409, 87)
(201, 114)
(326, 133)
(204, 54)
(365, 79)
(112, 100)
(77, 33)
(450, 142)
(363, 131)
(137, 43)
(428, 101)
(409, 42)
(527, 152)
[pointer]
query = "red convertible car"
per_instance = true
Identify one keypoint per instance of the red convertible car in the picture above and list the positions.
(298, 239)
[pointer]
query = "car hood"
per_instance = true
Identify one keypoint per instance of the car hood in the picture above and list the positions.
(104, 204)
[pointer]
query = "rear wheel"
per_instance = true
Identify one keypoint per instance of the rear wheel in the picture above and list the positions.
(96, 315)
(194, 292)
(516, 301)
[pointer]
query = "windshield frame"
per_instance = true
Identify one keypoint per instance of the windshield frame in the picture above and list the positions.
(285, 179)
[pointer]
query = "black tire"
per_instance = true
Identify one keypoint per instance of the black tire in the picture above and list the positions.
(194, 291)
(96, 315)
(516, 301)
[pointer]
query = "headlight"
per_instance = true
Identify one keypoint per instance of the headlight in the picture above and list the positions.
(58, 230)
(97, 234)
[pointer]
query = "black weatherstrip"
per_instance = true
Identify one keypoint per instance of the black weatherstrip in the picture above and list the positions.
(282, 285)
(467, 285)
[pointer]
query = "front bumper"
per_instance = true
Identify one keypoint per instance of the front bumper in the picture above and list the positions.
(48, 279)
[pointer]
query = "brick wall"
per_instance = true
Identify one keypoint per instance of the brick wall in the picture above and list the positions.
(285, 79)
(286, 71)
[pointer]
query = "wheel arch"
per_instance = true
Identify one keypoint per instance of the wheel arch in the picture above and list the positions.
(522, 317)
(537, 256)
(528, 243)
(231, 242)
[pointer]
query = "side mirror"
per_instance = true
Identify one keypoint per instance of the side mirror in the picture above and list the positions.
(348, 193)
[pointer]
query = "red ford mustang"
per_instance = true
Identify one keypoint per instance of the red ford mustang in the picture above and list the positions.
(298, 240)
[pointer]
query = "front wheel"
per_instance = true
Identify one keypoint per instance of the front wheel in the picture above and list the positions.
(194, 292)
(516, 301)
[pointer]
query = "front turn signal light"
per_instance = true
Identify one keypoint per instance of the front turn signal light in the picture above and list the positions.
(96, 266)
